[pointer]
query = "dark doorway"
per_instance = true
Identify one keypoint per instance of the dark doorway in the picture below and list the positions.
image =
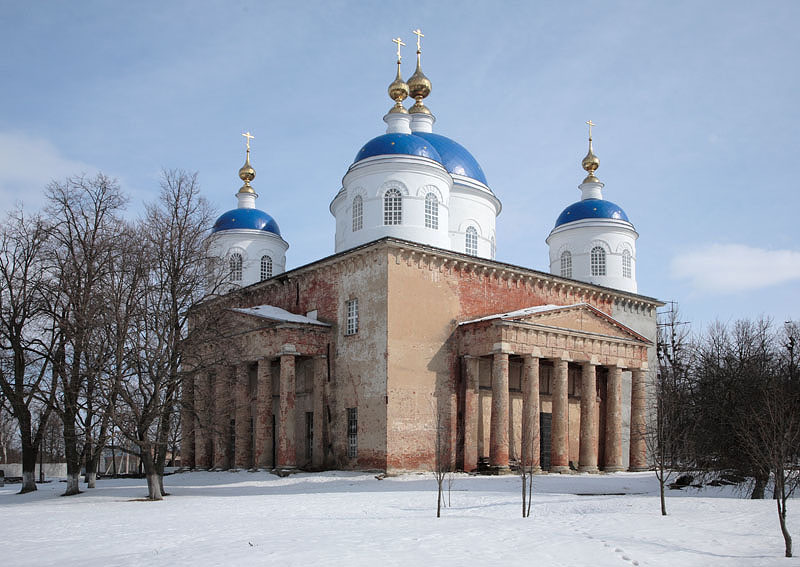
(545, 429)
(252, 443)
(232, 444)
(274, 443)
(309, 435)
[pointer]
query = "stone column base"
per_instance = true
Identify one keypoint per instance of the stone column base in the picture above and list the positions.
(498, 470)
(588, 469)
(638, 469)
(563, 469)
(613, 468)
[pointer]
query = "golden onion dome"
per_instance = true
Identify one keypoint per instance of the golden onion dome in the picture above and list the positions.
(419, 85)
(247, 174)
(591, 162)
(398, 92)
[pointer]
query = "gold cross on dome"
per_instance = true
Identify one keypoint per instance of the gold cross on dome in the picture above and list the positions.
(590, 123)
(419, 35)
(399, 42)
(249, 137)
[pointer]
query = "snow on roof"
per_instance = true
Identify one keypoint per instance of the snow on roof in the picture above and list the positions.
(522, 312)
(278, 314)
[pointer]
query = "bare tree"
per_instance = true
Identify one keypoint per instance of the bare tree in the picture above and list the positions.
(770, 436)
(669, 431)
(529, 456)
(174, 238)
(444, 456)
(85, 212)
(25, 337)
(731, 366)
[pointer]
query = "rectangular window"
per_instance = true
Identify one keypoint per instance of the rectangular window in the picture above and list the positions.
(352, 432)
(351, 327)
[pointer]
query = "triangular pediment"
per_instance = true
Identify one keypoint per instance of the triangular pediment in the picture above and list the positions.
(580, 317)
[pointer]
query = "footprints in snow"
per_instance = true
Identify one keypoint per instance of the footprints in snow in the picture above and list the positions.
(617, 550)
(620, 553)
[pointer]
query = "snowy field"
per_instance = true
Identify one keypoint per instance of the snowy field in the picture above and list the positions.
(341, 518)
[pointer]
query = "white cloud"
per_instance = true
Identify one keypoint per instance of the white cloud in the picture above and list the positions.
(27, 165)
(730, 268)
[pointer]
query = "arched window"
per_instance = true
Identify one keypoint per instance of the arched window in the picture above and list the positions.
(471, 241)
(358, 213)
(392, 207)
(598, 259)
(626, 264)
(566, 264)
(266, 267)
(236, 267)
(431, 211)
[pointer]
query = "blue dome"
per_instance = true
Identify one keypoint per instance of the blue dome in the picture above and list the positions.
(591, 209)
(455, 157)
(397, 143)
(252, 219)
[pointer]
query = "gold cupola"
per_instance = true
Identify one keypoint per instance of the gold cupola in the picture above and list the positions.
(246, 172)
(419, 85)
(591, 162)
(398, 89)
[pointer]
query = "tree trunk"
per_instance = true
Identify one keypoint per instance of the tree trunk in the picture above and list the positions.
(28, 482)
(72, 455)
(663, 500)
(439, 502)
(787, 538)
(91, 479)
(29, 454)
(73, 481)
(758, 487)
(530, 494)
(154, 486)
(524, 494)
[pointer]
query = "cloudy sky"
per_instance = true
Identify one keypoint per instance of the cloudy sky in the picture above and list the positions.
(695, 105)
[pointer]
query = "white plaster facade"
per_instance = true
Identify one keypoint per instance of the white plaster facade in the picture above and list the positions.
(253, 246)
(461, 202)
(616, 238)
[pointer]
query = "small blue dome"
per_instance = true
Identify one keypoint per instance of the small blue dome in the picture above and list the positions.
(591, 209)
(397, 143)
(455, 157)
(252, 219)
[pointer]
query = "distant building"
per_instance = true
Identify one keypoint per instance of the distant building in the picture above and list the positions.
(357, 360)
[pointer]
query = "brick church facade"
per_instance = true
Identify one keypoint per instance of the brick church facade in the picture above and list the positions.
(356, 361)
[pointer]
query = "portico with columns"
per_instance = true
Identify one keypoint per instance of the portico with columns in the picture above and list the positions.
(562, 363)
(263, 408)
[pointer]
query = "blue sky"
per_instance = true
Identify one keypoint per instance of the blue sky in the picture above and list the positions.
(695, 105)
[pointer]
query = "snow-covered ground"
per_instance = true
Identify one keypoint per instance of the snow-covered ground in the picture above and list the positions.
(341, 518)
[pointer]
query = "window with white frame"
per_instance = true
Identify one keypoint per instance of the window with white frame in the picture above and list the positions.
(358, 213)
(393, 207)
(431, 211)
(266, 267)
(352, 432)
(598, 261)
(471, 241)
(566, 264)
(351, 324)
(626, 264)
(235, 261)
